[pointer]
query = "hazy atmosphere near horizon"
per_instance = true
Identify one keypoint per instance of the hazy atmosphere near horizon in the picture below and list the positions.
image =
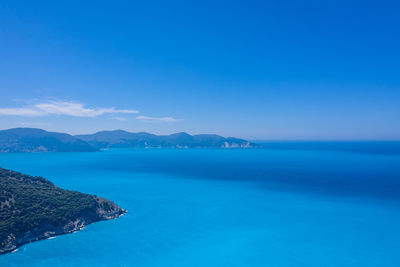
(314, 70)
(200, 133)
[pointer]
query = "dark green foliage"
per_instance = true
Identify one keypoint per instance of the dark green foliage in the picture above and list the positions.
(27, 202)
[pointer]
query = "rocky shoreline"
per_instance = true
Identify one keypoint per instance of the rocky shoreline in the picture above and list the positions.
(48, 231)
(33, 208)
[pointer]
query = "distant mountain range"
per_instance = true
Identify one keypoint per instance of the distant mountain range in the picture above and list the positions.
(37, 140)
(119, 138)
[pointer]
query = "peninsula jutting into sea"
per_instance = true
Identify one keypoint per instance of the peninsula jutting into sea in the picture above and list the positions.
(33, 208)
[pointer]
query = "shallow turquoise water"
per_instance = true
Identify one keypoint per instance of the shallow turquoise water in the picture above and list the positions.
(205, 207)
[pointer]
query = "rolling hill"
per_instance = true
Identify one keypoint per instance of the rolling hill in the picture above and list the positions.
(123, 139)
(37, 140)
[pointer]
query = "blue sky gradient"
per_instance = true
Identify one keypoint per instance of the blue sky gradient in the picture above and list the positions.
(281, 70)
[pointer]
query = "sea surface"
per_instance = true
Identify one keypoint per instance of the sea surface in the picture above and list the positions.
(290, 204)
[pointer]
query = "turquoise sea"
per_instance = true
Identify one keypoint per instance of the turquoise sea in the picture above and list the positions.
(290, 204)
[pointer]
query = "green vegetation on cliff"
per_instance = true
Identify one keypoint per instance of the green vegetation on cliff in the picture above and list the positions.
(32, 206)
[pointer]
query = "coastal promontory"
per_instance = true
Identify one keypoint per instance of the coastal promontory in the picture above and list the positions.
(33, 208)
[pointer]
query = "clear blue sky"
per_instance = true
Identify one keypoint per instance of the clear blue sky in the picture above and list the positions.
(251, 69)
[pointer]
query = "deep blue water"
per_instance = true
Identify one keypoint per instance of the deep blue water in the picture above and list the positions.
(321, 204)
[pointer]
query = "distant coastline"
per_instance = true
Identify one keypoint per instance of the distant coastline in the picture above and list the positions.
(38, 140)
